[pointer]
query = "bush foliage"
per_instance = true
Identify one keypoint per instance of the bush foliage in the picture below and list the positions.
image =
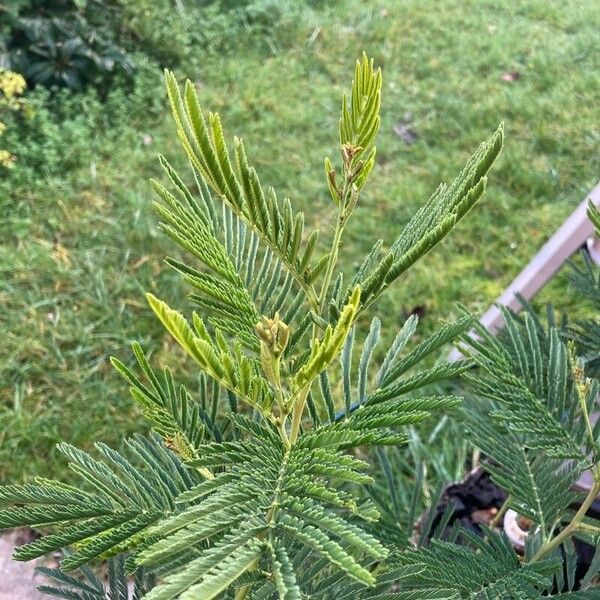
(260, 486)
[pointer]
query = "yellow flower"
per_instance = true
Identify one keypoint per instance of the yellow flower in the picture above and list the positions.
(6, 159)
(11, 84)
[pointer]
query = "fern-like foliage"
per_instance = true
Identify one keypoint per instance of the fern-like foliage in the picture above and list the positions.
(533, 375)
(91, 587)
(183, 422)
(429, 226)
(359, 125)
(485, 568)
(481, 569)
(586, 279)
(122, 496)
(239, 187)
(231, 367)
(252, 488)
(265, 496)
(535, 416)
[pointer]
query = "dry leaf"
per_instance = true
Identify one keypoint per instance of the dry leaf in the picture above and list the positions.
(511, 76)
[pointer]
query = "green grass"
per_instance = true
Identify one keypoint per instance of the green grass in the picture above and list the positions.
(80, 248)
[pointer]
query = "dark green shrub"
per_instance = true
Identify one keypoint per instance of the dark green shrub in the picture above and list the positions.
(54, 44)
(61, 131)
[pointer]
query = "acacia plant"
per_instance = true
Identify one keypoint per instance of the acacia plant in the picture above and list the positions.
(255, 488)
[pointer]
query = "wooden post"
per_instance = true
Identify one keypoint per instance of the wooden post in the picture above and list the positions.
(573, 234)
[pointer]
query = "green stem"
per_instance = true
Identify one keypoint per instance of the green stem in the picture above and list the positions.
(581, 391)
(243, 592)
(575, 523)
(494, 522)
(298, 407)
(589, 528)
(333, 255)
(586, 415)
(282, 432)
(297, 414)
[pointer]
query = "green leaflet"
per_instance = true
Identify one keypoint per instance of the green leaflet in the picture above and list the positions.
(205, 146)
(441, 337)
(324, 351)
(129, 493)
(358, 127)
(221, 576)
(233, 370)
(359, 122)
(432, 222)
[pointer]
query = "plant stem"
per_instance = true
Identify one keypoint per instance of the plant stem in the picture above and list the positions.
(333, 254)
(243, 592)
(575, 523)
(589, 528)
(297, 414)
(494, 522)
(581, 389)
(586, 415)
(283, 433)
(298, 408)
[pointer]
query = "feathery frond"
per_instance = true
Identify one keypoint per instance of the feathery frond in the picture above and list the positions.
(90, 587)
(242, 191)
(488, 569)
(323, 351)
(267, 497)
(432, 222)
(124, 495)
(229, 366)
(539, 488)
(537, 388)
(359, 122)
(395, 377)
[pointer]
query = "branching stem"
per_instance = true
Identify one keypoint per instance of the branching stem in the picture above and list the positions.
(333, 253)
(297, 414)
(576, 521)
(300, 402)
(498, 516)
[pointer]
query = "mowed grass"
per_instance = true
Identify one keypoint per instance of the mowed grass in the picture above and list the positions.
(78, 251)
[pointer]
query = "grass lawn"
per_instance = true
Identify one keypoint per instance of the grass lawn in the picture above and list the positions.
(78, 251)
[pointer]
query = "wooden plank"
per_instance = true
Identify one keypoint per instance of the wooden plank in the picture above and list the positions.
(573, 234)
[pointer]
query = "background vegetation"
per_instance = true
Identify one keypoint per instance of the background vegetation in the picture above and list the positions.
(78, 240)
